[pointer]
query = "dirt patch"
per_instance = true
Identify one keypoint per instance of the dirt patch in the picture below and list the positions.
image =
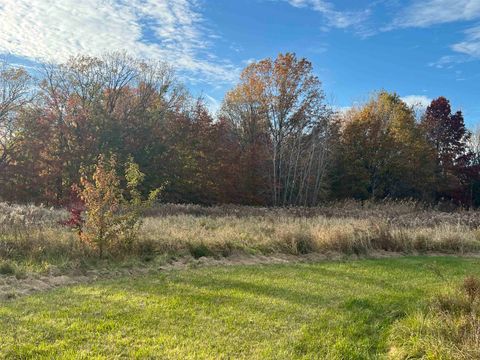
(12, 287)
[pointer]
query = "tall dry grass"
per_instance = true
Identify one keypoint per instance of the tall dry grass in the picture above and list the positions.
(34, 234)
(224, 235)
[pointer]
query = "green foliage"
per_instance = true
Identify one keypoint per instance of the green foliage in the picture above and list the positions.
(7, 268)
(134, 206)
(200, 250)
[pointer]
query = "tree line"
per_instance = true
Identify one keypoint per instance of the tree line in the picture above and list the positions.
(275, 141)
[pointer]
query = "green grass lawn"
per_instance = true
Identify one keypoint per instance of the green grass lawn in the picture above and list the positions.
(331, 310)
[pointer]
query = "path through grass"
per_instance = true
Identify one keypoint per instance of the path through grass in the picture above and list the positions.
(331, 310)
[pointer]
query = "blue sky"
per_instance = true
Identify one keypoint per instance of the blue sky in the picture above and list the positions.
(420, 49)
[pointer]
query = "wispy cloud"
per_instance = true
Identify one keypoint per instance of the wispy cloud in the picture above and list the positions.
(447, 61)
(421, 13)
(54, 30)
(212, 104)
(335, 18)
(471, 44)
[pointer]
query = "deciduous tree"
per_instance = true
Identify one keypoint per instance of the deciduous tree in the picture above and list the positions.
(16, 91)
(382, 152)
(448, 135)
(279, 111)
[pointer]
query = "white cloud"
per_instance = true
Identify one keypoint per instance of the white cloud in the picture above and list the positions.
(335, 18)
(54, 30)
(423, 13)
(417, 101)
(471, 45)
(249, 61)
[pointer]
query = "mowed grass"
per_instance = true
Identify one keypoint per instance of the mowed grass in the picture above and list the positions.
(330, 310)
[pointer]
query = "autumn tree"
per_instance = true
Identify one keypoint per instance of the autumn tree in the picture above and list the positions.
(88, 106)
(15, 94)
(447, 133)
(279, 112)
(274, 141)
(244, 110)
(474, 184)
(382, 152)
(202, 158)
(112, 213)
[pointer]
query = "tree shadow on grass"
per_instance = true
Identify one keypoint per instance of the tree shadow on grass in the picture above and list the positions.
(331, 310)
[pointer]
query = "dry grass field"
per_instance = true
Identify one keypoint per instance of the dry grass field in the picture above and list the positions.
(172, 296)
(33, 238)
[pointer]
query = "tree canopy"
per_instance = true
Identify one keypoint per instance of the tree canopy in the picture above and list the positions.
(275, 141)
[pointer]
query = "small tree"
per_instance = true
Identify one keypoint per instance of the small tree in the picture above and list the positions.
(112, 215)
(133, 204)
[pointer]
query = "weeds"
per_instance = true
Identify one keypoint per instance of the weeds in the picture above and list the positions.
(449, 329)
(34, 234)
(471, 287)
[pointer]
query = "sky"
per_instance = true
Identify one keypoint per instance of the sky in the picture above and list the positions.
(420, 49)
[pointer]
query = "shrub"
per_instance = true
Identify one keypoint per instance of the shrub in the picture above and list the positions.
(200, 250)
(7, 268)
(75, 221)
(113, 215)
(146, 249)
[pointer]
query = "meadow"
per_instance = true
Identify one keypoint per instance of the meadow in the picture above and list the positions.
(322, 228)
(346, 280)
(32, 238)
